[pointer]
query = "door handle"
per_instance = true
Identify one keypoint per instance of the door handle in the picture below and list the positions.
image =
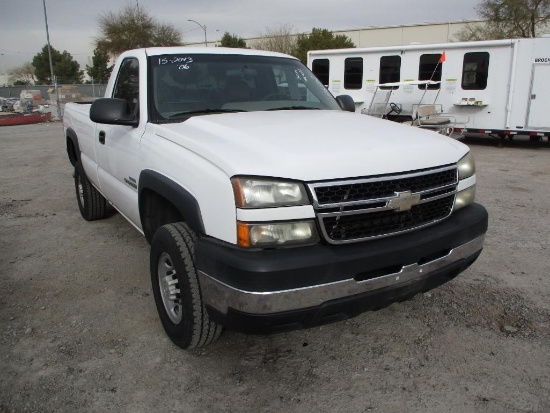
(102, 137)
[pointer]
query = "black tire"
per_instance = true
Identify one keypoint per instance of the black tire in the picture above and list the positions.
(176, 288)
(91, 203)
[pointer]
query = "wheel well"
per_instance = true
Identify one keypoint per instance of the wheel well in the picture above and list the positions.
(156, 211)
(71, 151)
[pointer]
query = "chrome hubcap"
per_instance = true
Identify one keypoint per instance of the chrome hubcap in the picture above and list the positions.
(169, 291)
(80, 191)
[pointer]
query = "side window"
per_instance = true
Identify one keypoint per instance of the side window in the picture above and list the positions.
(127, 83)
(390, 71)
(430, 69)
(474, 71)
(320, 68)
(353, 73)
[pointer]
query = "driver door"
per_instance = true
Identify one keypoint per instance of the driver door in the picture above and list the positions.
(118, 147)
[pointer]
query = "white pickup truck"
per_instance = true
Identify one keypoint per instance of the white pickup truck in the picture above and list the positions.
(269, 205)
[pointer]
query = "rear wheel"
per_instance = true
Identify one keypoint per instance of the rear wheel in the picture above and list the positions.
(91, 203)
(176, 288)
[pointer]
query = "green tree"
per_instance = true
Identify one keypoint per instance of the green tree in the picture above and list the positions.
(100, 69)
(232, 40)
(22, 75)
(131, 28)
(319, 39)
(66, 69)
(508, 19)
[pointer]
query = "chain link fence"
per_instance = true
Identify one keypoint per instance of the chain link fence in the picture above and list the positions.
(67, 93)
(27, 98)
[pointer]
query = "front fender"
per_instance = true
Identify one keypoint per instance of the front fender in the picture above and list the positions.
(181, 199)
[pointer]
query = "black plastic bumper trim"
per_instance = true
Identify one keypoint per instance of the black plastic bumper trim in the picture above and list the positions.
(290, 268)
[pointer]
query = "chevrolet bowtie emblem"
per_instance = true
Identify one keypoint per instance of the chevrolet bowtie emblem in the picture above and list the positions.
(403, 201)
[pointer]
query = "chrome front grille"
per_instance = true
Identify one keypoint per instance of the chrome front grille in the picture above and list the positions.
(359, 209)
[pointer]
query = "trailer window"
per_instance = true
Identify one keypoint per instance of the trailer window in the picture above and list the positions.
(430, 69)
(320, 68)
(353, 73)
(475, 70)
(390, 71)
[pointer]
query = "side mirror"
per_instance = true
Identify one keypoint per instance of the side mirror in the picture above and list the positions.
(112, 111)
(346, 103)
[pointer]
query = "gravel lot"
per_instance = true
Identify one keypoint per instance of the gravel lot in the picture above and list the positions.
(79, 329)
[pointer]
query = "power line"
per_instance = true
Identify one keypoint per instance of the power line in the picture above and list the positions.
(33, 53)
(10, 51)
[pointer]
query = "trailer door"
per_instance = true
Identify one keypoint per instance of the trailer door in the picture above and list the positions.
(540, 98)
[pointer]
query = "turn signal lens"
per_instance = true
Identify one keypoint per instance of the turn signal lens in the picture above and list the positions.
(465, 197)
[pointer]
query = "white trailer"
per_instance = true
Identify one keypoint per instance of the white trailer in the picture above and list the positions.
(499, 88)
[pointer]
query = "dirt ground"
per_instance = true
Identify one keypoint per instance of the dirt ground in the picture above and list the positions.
(79, 329)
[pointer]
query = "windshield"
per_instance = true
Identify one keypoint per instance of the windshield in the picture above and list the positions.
(199, 84)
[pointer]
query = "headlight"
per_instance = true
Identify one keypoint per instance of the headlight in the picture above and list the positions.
(466, 166)
(466, 169)
(465, 197)
(276, 234)
(265, 193)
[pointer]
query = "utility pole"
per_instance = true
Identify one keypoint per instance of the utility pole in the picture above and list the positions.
(52, 75)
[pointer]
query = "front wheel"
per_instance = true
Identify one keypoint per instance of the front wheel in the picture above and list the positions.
(176, 288)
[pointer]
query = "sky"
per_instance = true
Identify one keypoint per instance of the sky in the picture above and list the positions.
(73, 24)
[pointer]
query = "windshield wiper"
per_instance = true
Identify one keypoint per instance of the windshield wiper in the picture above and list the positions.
(294, 108)
(205, 111)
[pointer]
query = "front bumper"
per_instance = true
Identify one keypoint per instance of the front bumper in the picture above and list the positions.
(274, 290)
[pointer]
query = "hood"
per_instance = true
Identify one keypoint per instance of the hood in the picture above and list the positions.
(310, 145)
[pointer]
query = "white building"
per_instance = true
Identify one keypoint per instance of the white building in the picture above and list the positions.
(393, 35)
(423, 33)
